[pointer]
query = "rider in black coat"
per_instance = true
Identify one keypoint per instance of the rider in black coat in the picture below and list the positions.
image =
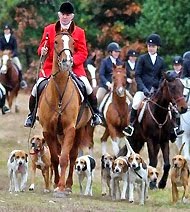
(8, 42)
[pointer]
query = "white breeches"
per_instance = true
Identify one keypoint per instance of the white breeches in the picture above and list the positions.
(137, 99)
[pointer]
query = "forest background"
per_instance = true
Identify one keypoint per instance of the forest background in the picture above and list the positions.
(127, 22)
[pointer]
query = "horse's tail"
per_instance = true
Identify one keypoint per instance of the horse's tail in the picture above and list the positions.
(181, 148)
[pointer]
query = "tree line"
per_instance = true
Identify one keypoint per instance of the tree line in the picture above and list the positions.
(127, 22)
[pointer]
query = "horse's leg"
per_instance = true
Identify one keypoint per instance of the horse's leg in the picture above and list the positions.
(72, 157)
(165, 151)
(66, 146)
(104, 141)
(52, 144)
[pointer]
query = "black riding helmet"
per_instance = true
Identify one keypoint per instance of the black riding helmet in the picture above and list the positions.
(67, 8)
(6, 26)
(113, 46)
(177, 60)
(154, 39)
(132, 53)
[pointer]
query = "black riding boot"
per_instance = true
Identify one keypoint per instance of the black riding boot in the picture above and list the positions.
(129, 129)
(176, 131)
(96, 118)
(23, 83)
(32, 115)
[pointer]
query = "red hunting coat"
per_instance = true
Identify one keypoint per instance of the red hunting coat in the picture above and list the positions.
(80, 50)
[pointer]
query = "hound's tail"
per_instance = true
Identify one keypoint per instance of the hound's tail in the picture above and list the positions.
(181, 148)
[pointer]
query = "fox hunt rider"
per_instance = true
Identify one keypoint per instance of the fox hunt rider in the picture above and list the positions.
(148, 74)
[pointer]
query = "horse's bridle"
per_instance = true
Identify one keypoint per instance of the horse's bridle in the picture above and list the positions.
(60, 64)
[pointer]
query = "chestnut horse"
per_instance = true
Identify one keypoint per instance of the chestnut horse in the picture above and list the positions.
(156, 123)
(115, 110)
(9, 78)
(58, 113)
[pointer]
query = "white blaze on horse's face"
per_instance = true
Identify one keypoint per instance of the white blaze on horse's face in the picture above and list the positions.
(66, 47)
(3, 69)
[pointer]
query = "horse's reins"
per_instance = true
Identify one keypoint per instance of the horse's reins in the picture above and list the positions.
(160, 125)
(61, 94)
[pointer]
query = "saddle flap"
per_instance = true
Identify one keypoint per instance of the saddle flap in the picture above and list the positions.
(142, 110)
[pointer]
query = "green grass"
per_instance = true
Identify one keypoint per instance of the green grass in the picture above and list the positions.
(14, 136)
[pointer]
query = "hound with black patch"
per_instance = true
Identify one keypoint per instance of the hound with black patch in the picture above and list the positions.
(84, 167)
(17, 164)
(138, 173)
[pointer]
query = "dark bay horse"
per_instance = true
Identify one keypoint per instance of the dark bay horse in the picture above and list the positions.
(156, 123)
(115, 110)
(9, 77)
(58, 112)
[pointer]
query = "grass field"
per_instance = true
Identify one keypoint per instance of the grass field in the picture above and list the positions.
(14, 136)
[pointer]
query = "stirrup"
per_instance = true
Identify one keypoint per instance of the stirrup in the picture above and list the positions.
(96, 120)
(23, 84)
(178, 132)
(29, 121)
(5, 110)
(128, 131)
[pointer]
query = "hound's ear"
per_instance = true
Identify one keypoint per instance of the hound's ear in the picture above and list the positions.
(102, 158)
(85, 166)
(185, 164)
(114, 66)
(143, 164)
(43, 141)
(12, 158)
(26, 157)
(125, 167)
(123, 65)
(31, 139)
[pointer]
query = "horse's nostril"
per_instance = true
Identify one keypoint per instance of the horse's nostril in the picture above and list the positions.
(183, 110)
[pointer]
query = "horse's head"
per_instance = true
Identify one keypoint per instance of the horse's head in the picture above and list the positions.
(63, 48)
(5, 56)
(119, 80)
(175, 88)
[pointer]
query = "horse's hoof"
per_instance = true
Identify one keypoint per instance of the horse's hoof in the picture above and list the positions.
(68, 191)
(60, 194)
(162, 184)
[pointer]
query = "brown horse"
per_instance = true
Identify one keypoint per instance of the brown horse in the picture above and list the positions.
(156, 124)
(115, 110)
(59, 108)
(9, 77)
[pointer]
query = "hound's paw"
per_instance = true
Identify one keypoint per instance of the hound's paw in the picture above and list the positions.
(46, 190)
(31, 188)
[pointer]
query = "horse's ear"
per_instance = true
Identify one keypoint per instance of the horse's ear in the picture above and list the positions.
(57, 27)
(71, 28)
(114, 65)
(164, 74)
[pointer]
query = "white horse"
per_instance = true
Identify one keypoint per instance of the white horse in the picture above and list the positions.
(185, 122)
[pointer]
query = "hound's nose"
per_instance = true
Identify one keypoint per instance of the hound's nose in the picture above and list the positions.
(117, 170)
(133, 165)
(20, 163)
(78, 168)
